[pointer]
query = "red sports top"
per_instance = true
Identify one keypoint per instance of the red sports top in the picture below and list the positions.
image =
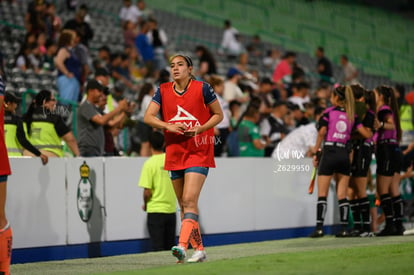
(4, 159)
(189, 108)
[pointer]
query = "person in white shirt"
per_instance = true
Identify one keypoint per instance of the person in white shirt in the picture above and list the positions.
(350, 72)
(230, 44)
(129, 12)
(222, 130)
(232, 90)
(300, 141)
(300, 94)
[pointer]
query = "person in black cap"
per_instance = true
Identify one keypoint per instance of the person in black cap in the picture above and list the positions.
(91, 137)
(15, 136)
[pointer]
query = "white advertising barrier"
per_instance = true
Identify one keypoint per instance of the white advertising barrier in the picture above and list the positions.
(124, 199)
(36, 202)
(241, 194)
(80, 231)
(246, 194)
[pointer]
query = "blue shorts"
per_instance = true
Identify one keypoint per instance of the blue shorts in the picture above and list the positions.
(176, 174)
(3, 178)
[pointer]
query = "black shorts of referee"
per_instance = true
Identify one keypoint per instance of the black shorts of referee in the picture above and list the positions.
(389, 159)
(334, 159)
(361, 158)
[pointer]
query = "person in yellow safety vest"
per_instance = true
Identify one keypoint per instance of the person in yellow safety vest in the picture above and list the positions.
(15, 136)
(46, 128)
(406, 103)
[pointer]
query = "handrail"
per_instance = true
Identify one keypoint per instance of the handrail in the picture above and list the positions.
(14, 26)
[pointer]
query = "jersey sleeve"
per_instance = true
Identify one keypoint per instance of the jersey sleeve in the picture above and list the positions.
(383, 114)
(157, 97)
(323, 121)
(2, 87)
(208, 94)
(369, 120)
(21, 137)
(145, 180)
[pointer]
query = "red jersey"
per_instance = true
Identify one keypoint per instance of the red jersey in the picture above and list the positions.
(4, 159)
(188, 108)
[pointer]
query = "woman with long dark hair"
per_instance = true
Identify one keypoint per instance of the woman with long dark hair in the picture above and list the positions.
(389, 160)
(46, 128)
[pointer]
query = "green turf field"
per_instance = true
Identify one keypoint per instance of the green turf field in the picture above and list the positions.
(327, 255)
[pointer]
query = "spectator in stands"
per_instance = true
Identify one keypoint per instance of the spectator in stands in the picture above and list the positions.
(129, 12)
(81, 27)
(230, 44)
(137, 68)
(282, 72)
(299, 141)
(69, 67)
(41, 42)
(91, 137)
(84, 8)
(256, 48)
(111, 128)
(157, 37)
(206, 62)
(222, 130)
(235, 111)
(159, 198)
(266, 96)
(144, 130)
(145, 48)
(145, 12)
(35, 18)
(248, 78)
(300, 94)
(46, 128)
(15, 136)
(130, 33)
(273, 127)
(323, 66)
(271, 59)
(54, 22)
(82, 54)
(23, 60)
(296, 114)
(350, 73)
(251, 144)
(119, 70)
(231, 89)
(104, 57)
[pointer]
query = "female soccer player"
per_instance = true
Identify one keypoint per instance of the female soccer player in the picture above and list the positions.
(190, 110)
(6, 235)
(335, 127)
